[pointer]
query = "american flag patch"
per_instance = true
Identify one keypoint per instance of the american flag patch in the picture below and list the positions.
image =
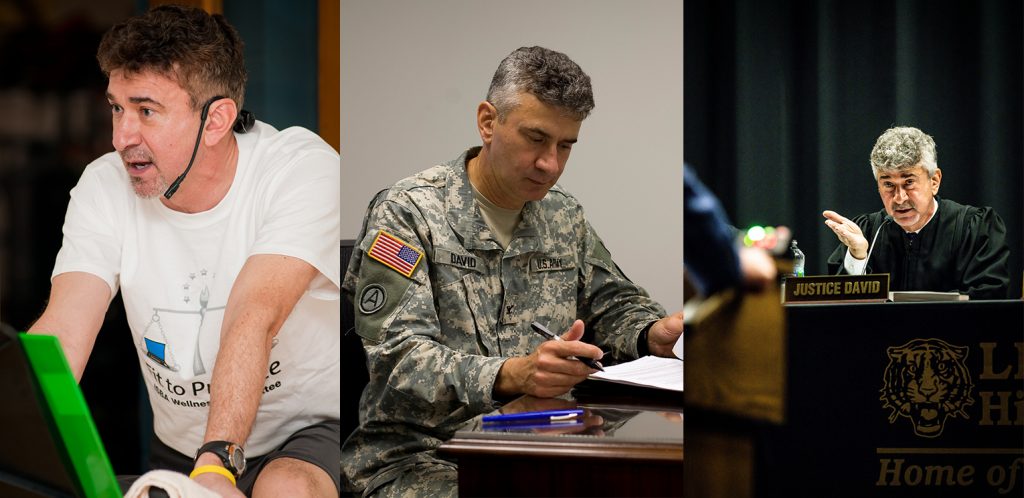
(395, 253)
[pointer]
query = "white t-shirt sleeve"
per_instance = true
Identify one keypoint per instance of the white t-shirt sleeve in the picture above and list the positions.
(93, 226)
(301, 217)
(853, 265)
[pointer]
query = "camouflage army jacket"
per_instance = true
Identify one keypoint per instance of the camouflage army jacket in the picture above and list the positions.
(440, 306)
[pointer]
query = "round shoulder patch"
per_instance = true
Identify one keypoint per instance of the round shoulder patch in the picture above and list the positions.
(372, 299)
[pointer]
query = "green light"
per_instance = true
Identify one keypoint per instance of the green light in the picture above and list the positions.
(756, 233)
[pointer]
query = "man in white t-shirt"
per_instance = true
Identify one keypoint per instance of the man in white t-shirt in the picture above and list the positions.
(222, 234)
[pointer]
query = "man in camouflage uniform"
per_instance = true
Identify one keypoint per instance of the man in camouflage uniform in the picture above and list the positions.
(454, 263)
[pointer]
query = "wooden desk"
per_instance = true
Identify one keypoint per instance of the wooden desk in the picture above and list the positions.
(625, 448)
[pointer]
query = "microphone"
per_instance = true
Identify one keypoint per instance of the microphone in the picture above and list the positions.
(243, 123)
(872, 246)
(202, 124)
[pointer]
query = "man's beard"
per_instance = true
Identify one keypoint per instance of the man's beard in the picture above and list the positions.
(148, 189)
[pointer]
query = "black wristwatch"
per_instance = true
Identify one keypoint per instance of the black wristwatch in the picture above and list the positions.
(229, 453)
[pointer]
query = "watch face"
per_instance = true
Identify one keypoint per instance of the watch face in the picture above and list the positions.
(229, 453)
(237, 458)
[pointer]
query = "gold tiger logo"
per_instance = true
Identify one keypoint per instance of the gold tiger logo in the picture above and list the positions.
(927, 382)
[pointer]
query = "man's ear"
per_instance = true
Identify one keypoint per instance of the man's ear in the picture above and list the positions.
(486, 118)
(936, 180)
(219, 121)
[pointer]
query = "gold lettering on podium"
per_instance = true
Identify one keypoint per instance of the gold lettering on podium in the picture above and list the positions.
(1002, 406)
(988, 364)
(892, 472)
(917, 372)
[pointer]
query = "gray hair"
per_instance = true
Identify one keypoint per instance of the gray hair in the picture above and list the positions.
(901, 148)
(550, 76)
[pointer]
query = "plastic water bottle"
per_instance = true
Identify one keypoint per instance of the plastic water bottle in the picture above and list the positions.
(798, 259)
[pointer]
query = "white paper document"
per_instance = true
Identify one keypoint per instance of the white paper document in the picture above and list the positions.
(649, 371)
(677, 349)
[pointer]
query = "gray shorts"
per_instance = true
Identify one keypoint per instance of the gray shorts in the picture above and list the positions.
(318, 444)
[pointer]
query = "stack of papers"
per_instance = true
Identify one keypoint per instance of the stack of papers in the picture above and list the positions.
(925, 296)
(649, 371)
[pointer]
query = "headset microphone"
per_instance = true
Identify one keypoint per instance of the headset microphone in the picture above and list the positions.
(243, 123)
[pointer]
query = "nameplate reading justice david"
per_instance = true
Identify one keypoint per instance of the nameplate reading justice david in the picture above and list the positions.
(831, 288)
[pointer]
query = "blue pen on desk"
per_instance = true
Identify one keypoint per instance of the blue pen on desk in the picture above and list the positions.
(542, 330)
(550, 416)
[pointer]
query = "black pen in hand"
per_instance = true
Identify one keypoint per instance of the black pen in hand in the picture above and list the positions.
(542, 330)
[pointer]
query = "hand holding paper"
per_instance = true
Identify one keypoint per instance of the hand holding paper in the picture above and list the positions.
(664, 334)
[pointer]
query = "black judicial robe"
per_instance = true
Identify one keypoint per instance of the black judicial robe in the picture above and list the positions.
(963, 248)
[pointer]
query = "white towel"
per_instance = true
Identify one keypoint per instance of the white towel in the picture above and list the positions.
(176, 485)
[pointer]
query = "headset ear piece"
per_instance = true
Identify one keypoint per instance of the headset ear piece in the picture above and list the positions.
(245, 121)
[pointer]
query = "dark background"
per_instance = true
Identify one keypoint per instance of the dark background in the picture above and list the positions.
(54, 120)
(784, 100)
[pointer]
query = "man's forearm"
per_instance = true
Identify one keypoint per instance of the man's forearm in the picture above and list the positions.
(78, 303)
(237, 383)
(263, 296)
(235, 392)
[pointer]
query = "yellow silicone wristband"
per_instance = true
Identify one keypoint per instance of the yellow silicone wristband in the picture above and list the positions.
(216, 469)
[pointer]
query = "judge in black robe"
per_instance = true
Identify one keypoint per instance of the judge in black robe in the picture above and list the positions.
(962, 248)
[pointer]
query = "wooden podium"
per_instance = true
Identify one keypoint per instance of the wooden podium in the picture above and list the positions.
(735, 384)
(888, 399)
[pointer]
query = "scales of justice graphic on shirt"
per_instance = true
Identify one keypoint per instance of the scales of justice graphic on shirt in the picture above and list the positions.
(154, 338)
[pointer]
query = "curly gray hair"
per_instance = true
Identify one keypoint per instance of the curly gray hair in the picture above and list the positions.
(550, 76)
(901, 148)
